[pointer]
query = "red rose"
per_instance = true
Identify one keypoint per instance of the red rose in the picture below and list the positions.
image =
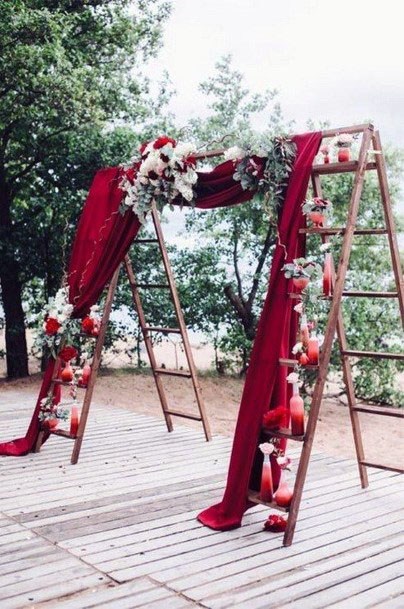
(275, 418)
(52, 326)
(68, 353)
(275, 523)
(191, 160)
(162, 141)
(87, 325)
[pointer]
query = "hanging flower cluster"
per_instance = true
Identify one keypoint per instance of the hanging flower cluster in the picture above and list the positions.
(55, 325)
(49, 411)
(163, 170)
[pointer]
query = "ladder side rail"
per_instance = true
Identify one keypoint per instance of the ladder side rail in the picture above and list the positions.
(95, 367)
(181, 322)
(329, 337)
(389, 220)
(148, 342)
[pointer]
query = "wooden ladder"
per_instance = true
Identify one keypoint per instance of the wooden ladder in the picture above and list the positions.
(335, 325)
(147, 330)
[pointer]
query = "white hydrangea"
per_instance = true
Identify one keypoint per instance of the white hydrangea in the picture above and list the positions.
(234, 153)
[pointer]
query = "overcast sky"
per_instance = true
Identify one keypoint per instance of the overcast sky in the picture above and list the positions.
(338, 61)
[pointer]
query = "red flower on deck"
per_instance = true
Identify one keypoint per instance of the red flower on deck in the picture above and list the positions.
(51, 326)
(275, 523)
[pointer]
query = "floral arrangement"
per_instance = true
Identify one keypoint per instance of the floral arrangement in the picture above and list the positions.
(316, 204)
(49, 411)
(273, 448)
(343, 140)
(300, 267)
(55, 324)
(163, 170)
(270, 177)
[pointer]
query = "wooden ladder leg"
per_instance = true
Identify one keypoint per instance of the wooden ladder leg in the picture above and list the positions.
(329, 337)
(94, 368)
(181, 324)
(346, 369)
(389, 220)
(39, 441)
(148, 342)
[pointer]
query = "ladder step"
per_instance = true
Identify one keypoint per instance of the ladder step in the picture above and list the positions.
(146, 241)
(164, 330)
(254, 497)
(184, 415)
(150, 285)
(329, 168)
(390, 468)
(62, 433)
(71, 384)
(291, 363)
(184, 373)
(373, 354)
(341, 231)
(283, 432)
(385, 412)
(359, 294)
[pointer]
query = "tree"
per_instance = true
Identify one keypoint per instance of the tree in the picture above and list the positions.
(68, 77)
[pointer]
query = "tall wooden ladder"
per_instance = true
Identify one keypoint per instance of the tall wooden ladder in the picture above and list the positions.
(147, 331)
(370, 147)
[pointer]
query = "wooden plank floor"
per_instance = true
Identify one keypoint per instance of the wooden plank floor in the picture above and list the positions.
(118, 530)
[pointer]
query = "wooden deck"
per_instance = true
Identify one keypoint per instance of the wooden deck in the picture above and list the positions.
(118, 530)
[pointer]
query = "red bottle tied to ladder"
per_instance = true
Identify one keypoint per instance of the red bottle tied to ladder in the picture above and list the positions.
(313, 350)
(67, 373)
(86, 374)
(74, 420)
(266, 488)
(327, 281)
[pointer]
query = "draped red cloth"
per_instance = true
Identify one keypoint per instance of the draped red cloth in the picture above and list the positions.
(102, 241)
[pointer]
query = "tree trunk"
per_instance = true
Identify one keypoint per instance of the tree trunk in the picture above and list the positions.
(11, 291)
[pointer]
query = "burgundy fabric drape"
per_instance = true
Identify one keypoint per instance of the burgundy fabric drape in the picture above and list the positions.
(104, 237)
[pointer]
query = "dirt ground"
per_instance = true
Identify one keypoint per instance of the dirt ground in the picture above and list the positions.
(383, 436)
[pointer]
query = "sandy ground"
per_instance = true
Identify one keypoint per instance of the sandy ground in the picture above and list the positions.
(383, 436)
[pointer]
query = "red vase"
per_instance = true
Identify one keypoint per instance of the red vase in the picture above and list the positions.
(86, 375)
(67, 374)
(296, 406)
(344, 154)
(317, 218)
(266, 488)
(50, 423)
(327, 279)
(74, 420)
(300, 282)
(284, 494)
(313, 350)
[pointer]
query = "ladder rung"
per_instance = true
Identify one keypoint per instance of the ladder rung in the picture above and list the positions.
(291, 363)
(283, 432)
(373, 354)
(146, 241)
(254, 497)
(358, 294)
(150, 285)
(390, 468)
(184, 415)
(169, 372)
(61, 432)
(341, 231)
(70, 384)
(380, 410)
(164, 330)
(329, 168)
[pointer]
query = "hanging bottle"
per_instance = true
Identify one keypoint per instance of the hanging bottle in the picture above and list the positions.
(74, 420)
(86, 374)
(266, 489)
(313, 350)
(296, 406)
(304, 331)
(67, 373)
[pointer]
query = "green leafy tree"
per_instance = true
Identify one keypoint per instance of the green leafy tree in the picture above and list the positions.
(68, 84)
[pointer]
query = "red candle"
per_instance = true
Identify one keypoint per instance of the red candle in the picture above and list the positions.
(266, 489)
(296, 406)
(327, 285)
(313, 350)
(74, 420)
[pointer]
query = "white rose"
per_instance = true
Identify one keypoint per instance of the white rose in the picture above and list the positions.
(234, 153)
(293, 377)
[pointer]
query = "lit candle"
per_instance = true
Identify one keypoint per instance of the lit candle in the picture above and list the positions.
(296, 406)
(327, 285)
(313, 350)
(74, 420)
(266, 489)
